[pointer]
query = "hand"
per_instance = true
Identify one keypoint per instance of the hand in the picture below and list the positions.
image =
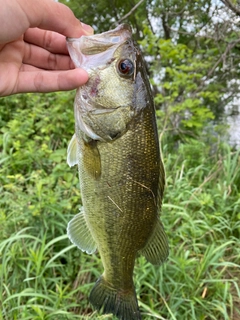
(33, 52)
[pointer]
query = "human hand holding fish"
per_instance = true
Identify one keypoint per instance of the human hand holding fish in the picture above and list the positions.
(33, 53)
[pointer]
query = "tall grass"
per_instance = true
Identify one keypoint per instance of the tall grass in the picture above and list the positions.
(43, 276)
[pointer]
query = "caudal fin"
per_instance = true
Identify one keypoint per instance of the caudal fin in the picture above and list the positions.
(124, 305)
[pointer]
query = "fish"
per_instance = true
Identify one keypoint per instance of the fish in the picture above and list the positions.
(121, 173)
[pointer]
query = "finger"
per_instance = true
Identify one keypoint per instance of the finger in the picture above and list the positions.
(19, 15)
(43, 59)
(55, 16)
(52, 41)
(49, 81)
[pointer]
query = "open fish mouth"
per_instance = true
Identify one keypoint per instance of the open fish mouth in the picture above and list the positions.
(84, 48)
(89, 44)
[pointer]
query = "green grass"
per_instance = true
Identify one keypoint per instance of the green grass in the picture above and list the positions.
(43, 276)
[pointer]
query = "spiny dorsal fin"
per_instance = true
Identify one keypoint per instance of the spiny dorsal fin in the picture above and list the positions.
(156, 250)
(72, 152)
(80, 234)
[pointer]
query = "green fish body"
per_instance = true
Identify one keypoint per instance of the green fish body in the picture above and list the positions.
(121, 173)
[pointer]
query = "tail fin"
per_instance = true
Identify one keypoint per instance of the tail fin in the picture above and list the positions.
(109, 300)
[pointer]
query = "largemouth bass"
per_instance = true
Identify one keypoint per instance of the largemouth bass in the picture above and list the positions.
(121, 174)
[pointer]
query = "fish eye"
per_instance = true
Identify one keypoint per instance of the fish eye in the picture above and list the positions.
(125, 67)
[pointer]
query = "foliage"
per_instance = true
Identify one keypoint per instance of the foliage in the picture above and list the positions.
(192, 60)
(43, 276)
(34, 179)
(177, 79)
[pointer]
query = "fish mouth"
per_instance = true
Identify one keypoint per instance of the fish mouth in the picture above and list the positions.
(102, 41)
(83, 49)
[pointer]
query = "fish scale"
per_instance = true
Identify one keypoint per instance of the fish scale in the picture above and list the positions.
(121, 174)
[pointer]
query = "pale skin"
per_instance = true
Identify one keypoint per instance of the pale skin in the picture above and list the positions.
(33, 52)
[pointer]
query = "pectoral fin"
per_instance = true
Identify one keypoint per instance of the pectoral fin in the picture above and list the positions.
(91, 159)
(72, 152)
(156, 250)
(80, 234)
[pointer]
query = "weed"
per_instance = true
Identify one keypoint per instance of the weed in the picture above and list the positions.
(43, 276)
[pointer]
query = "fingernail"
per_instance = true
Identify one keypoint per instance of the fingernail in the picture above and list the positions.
(89, 30)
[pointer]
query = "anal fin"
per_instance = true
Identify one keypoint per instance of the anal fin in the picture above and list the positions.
(156, 250)
(80, 234)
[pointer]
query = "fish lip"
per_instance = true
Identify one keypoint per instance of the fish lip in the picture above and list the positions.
(93, 44)
(123, 31)
(102, 46)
